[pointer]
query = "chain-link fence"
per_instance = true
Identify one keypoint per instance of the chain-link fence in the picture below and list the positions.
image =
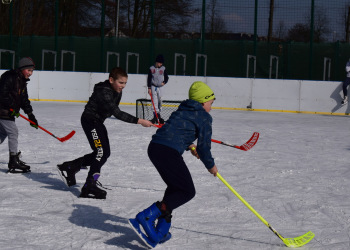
(231, 38)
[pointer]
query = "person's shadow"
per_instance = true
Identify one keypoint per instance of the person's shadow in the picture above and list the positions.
(336, 95)
(93, 217)
(51, 180)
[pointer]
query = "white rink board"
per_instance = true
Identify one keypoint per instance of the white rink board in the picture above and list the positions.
(329, 100)
(231, 92)
(237, 93)
(276, 94)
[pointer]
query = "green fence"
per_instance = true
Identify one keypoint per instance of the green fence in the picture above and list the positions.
(224, 58)
(252, 38)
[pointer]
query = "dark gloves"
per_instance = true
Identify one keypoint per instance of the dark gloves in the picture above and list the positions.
(32, 118)
(13, 114)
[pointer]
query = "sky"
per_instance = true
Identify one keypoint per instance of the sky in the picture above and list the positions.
(296, 177)
(239, 15)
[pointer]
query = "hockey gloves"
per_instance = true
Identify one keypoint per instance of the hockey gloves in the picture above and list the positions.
(32, 118)
(13, 114)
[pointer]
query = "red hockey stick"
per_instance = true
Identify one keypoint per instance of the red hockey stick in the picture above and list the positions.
(63, 139)
(154, 109)
(246, 146)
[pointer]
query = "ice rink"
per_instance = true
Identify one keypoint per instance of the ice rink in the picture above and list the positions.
(296, 177)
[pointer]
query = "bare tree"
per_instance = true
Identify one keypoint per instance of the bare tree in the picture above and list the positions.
(281, 31)
(215, 23)
(301, 31)
(169, 16)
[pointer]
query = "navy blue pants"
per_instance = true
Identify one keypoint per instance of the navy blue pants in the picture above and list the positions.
(97, 136)
(345, 86)
(174, 172)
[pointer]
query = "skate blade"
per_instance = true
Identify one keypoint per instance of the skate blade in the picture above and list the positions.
(14, 171)
(62, 176)
(134, 224)
(91, 196)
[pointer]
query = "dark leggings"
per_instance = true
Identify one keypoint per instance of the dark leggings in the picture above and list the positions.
(97, 136)
(174, 172)
(345, 86)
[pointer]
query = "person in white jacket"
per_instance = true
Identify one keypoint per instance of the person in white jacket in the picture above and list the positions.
(346, 83)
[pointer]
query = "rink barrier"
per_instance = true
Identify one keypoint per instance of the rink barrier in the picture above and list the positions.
(246, 94)
(224, 108)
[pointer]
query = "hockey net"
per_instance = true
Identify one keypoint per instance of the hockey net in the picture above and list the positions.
(144, 108)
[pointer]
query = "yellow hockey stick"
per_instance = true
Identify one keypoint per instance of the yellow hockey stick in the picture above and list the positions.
(289, 242)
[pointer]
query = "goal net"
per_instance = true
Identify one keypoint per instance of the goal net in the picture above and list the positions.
(145, 110)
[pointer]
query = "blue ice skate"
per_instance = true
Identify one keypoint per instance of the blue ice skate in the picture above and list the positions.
(162, 229)
(135, 225)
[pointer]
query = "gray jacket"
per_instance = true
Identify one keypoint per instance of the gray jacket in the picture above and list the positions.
(156, 76)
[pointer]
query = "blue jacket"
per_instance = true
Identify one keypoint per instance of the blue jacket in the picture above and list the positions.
(188, 123)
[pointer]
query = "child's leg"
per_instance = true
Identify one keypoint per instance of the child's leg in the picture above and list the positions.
(174, 172)
(97, 136)
(3, 134)
(160, 95)
(9, 129)
(155, 97)
(345, 86)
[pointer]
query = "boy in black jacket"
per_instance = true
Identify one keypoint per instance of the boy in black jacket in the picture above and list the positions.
(103, 103)
(14, 95)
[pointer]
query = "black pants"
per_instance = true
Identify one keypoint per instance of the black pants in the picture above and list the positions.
(97, 136)
(174, 172)
(345, 86)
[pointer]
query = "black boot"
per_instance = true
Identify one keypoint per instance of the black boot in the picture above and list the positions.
(68, 169)
(161, 120)
(22, 162)
(16, 165)
(154, 119)
(91, 190)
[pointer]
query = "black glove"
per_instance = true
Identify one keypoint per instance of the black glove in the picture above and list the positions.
(32, 118)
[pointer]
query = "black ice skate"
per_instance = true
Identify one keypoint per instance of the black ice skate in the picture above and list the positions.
(154, 120)
(91, 189)
(68, 169)
(161, 120)
(344, 101)
(15, 165)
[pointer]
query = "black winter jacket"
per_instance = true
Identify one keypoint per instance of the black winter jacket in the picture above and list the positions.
(13, 94)
(104, 102)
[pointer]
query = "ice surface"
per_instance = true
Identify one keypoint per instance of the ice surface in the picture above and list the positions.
(296, 177)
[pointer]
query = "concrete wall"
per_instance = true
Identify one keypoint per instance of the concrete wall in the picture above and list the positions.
(232, 93)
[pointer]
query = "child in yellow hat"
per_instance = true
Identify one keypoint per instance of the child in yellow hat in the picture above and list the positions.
(190, 122)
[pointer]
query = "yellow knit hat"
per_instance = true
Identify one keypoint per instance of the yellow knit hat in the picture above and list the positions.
(200, 92)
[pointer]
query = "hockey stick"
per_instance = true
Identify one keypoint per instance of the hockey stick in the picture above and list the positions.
(289, 242)
(62, 139)
(154, 107)
(246, 146)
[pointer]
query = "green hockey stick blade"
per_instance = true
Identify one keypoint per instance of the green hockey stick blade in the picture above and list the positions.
(299, 241)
